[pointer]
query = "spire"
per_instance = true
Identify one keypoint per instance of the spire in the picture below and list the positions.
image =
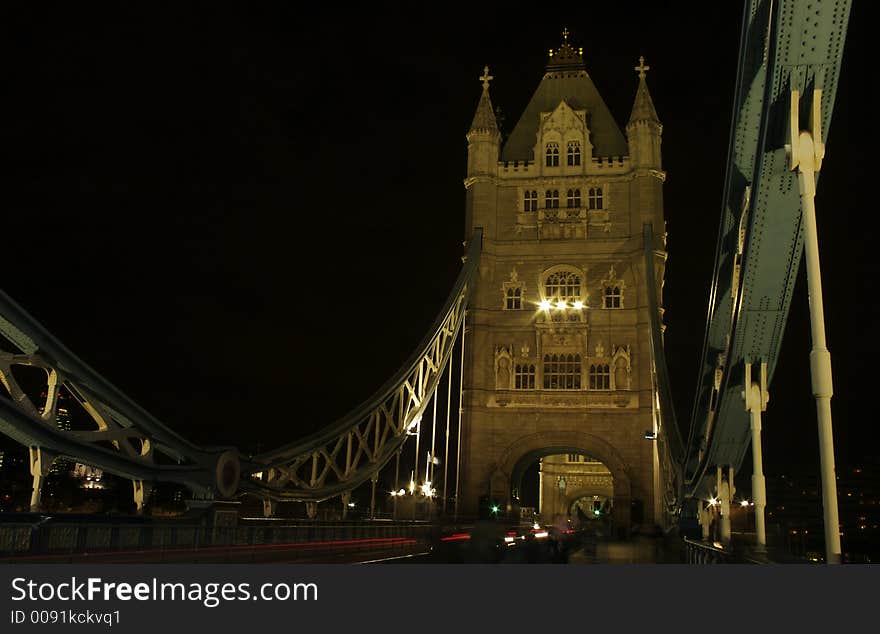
(484, 118)
(566, 57)
(643, 107)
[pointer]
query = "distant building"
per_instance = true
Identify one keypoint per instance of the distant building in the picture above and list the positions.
(794, 513)
(573, 486)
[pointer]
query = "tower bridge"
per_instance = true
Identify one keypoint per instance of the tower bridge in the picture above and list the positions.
(549, 348)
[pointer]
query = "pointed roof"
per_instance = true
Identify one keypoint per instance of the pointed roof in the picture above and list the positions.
(643, 107)
(566, 79)
(484, 117)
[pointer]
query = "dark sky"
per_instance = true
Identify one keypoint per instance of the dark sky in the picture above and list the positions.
(247, 218)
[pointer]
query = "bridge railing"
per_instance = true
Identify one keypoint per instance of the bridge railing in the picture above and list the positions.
(704, 553)
(59, 540)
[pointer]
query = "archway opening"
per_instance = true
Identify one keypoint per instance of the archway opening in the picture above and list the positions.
(563, 486)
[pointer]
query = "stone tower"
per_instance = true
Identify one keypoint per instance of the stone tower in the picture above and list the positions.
(558, 354)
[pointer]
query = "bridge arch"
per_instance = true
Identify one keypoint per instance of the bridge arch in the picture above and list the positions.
(525, 450)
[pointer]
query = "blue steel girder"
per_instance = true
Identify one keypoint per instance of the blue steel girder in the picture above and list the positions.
(785, 45)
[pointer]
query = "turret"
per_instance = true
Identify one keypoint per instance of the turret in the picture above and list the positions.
(484, 141)
(644, 128)
(643, 135)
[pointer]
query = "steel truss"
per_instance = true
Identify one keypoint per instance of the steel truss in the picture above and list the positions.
(354, 449)
(124, 439)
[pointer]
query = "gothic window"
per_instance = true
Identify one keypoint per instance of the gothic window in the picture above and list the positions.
(562, 371)
(552, 155)
(524, 376)
(551, 199)
(612, 297)
(595, 198)
(563, 286)
(513, 298)
(574, 153)
(600, 377)
(575, 457)
(530, 201)
(573, 198)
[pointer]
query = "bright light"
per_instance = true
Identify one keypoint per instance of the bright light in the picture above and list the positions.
(495, 508)
(578, 305)
(544, 305)
(597, 512)
(508, 539)
(713, 501)
(560, 305)
(536, 526)
(744, 503)
(351, 505)
(401, 492)
(427, 490)
(541, 534)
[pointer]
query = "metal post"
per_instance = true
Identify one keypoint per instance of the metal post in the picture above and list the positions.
(373, 480)
(396, 483)
(807, 151)
(429, 472)
(756, 397)
(460, 394)
(446, 452)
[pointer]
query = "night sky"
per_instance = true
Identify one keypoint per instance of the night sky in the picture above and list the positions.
(247, 218)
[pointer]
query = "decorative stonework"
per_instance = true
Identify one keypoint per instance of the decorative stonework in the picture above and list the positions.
(513, 292)
(504, 367)
(611, 290)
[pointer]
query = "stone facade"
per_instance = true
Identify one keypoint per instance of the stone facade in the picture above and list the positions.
(558, 352)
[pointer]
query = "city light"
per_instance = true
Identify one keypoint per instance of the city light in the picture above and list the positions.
(544, 305)
(560, 305)
(744, 503)
(713, 501)
(578, 305)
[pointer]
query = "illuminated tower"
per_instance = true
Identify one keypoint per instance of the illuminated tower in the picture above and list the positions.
(558, 340)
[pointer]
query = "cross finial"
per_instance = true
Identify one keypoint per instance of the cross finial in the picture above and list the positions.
(641, 67)
(486, 78)
(564, 34)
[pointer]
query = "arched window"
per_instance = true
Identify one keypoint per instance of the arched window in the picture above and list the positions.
(595, 198)
(574, 153)
(573, 198)
(513, 299)
(551, 199)
(530, 201)
(600, 377)
(524, 377)
(562, 371)
(552, 155)
(563, 286)
(612, 297)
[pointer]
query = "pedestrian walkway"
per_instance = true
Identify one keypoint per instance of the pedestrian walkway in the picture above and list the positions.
(638, 550)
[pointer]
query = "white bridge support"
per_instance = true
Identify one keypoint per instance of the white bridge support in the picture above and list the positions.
(756, 398)
(725, 498)
(40, 462)
(142, 492)
(806, 153)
